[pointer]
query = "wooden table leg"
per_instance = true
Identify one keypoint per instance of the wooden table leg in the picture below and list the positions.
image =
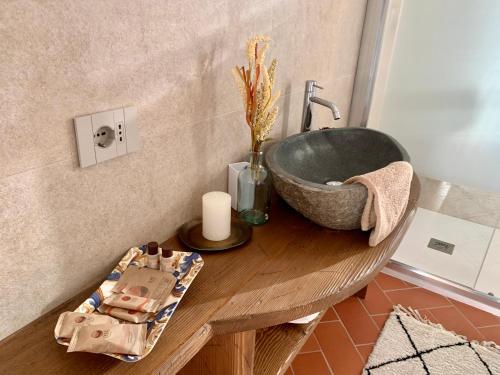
(231, 354)
(362, 293)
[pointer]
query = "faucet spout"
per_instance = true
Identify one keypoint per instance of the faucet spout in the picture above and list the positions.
(333, 107)
(309, 98)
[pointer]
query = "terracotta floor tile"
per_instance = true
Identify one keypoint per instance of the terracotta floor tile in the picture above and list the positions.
(329, 316)
(380, 320)
(454, 321)
(387, 282)
(375, 301)
(310, 363)
(357, 321)
(410, 284)
(417, 298)
(311, 345)
(365, 351)
(339, 351)
(491, 334)
(349, 321)
(478, 317)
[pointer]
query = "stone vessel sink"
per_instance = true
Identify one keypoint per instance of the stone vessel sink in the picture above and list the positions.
(302, 164)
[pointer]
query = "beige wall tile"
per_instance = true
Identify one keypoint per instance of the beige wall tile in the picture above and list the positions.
(60, 218)
(464, 202)
(316, 40)
(290, 114)
(172, 60)
(432, 193)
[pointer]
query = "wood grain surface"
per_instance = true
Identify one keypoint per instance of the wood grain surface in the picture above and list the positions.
(290, 268)
(231, 354)
(277, 346)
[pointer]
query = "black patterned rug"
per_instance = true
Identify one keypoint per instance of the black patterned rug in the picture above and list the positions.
(409, 344)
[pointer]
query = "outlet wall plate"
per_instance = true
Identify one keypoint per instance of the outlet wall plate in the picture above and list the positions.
(106, 135)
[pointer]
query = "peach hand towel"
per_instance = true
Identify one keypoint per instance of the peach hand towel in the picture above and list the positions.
(388, 193)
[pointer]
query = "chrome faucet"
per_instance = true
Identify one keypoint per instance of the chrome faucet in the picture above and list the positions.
(309, 98)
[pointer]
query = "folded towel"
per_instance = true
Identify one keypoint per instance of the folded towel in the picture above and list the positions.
(388, 193)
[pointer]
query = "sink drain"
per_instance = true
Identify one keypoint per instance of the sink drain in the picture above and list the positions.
(333, 183)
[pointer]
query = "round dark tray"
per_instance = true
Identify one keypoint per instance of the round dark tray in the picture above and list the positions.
(191, 235)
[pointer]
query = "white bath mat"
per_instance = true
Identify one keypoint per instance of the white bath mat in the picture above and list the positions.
(410, 344)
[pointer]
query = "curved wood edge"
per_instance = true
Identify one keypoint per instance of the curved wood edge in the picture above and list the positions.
(258, 321)
(213, 328)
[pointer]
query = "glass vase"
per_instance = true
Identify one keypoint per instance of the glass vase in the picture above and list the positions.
(254, 191)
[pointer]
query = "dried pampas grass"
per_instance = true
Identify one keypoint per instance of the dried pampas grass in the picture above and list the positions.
(255, 84)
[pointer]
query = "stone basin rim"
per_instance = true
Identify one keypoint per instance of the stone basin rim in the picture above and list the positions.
(273, 164)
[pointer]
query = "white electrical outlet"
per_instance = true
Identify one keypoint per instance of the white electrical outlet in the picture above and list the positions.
(106, 135)
(121, 140)
(103, 129)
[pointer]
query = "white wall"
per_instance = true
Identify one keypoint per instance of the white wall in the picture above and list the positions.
(443, 92)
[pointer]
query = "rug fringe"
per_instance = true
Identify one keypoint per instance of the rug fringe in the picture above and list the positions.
(412, 313)
(491, 345)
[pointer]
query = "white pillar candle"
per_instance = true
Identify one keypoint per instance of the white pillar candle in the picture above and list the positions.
(216, 215)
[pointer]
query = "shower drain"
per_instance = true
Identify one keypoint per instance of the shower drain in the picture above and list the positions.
(444, 247)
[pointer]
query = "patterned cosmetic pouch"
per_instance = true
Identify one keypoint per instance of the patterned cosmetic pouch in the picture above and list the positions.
(187, 265)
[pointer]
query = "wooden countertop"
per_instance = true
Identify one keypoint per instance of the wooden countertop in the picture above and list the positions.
(289, 269)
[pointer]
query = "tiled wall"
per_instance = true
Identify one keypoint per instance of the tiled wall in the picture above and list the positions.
(62, 227)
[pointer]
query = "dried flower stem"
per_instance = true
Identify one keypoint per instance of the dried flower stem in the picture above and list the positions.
(256, 88)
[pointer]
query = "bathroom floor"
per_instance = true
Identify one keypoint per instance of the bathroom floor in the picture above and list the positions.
(343, 340)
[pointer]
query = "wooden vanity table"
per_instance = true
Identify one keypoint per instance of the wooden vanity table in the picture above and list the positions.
(233, 318)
